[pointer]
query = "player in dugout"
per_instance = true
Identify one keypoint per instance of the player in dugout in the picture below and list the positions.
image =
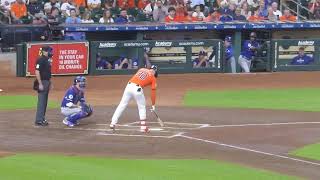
(302, 58)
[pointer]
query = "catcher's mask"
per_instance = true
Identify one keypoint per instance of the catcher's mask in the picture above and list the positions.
(81, 80)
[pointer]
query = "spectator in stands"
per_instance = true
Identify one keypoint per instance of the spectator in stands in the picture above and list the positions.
(275, 10)
(6, 4)
(287, 16)
(181, 10)
(54, 17)
(256, 16)
(39, 18)
(253, 4)
(18, 11)
(238, 16)
(94, 4)
(86, 18)
(225, 17)
(123, 17)
(102, 63)
(302, 58)
(314, 5)
(159, 12)
(263, 11)
(201, 61)
(271, 16)
(126, 4)
(106, 18)
(232, 9)
(196, 2)
(111, 5)
(80, 3)
(34, 7)
(171, 17)
(73, 19)
(245, 10)
(316, 14)
(197, 14)
(142, 4)
(66, 6)
(6, 17)
(49, 5)
(189, 17)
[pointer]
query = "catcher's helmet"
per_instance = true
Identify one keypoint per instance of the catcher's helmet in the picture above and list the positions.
(81, 80)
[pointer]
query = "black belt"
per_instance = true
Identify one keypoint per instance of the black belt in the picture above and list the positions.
(134, 83)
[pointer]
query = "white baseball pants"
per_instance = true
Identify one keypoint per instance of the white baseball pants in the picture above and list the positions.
(132, 91)
(244, 63)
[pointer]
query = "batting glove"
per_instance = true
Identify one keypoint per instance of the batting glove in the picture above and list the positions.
(153, 108)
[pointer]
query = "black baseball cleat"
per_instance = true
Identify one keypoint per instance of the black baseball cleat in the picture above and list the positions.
(41, 123)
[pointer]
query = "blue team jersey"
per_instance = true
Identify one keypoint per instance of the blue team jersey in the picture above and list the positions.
(302, 60)
(102, 64)
(246, 49)
(229, 52)
(118, 62)
(72, 96)
(197, 61)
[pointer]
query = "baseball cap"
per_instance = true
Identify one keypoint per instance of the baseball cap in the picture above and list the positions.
(228, 38)
(202, 52)
(46, 48)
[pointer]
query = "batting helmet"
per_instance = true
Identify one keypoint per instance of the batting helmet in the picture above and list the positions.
(81, 80)
(155, 68)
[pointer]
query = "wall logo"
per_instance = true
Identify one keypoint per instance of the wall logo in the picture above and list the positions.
(107, 45)
(305, 43)
(163, 43)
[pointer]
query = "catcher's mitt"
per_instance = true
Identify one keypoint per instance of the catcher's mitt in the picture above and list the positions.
(87, 109)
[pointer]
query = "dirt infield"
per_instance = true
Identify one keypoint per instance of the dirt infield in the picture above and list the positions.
(255, 138)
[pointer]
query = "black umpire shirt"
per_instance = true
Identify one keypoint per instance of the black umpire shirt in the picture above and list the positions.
(43, 65)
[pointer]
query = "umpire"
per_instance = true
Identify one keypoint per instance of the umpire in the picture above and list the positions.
(42, 84)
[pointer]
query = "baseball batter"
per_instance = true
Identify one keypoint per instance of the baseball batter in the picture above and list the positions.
(247, 54)
(134, 89)
(69, 106)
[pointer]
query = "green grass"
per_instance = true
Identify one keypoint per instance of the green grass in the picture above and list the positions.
(285, 99)
(21, 102)
(31, 167)
(311, 152)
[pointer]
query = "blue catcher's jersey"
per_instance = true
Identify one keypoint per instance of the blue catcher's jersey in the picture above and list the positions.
(72, 96)
(246, 49)
(229, 52)
(302, 60)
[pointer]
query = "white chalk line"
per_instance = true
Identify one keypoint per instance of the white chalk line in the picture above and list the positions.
(138, 135)
(263, 124)
(172, 123)
(250, 150)
(109, 130)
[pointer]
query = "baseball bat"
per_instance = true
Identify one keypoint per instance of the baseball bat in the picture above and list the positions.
(158, 118)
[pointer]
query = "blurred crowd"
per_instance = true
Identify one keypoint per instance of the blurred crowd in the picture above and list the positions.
(125, 11)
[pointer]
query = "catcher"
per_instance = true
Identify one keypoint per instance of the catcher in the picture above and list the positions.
(73, 105)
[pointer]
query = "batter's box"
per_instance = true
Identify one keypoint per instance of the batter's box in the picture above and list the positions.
(171, 125)
(154, 133)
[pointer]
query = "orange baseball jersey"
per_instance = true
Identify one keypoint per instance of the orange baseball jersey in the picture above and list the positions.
(143, 78)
